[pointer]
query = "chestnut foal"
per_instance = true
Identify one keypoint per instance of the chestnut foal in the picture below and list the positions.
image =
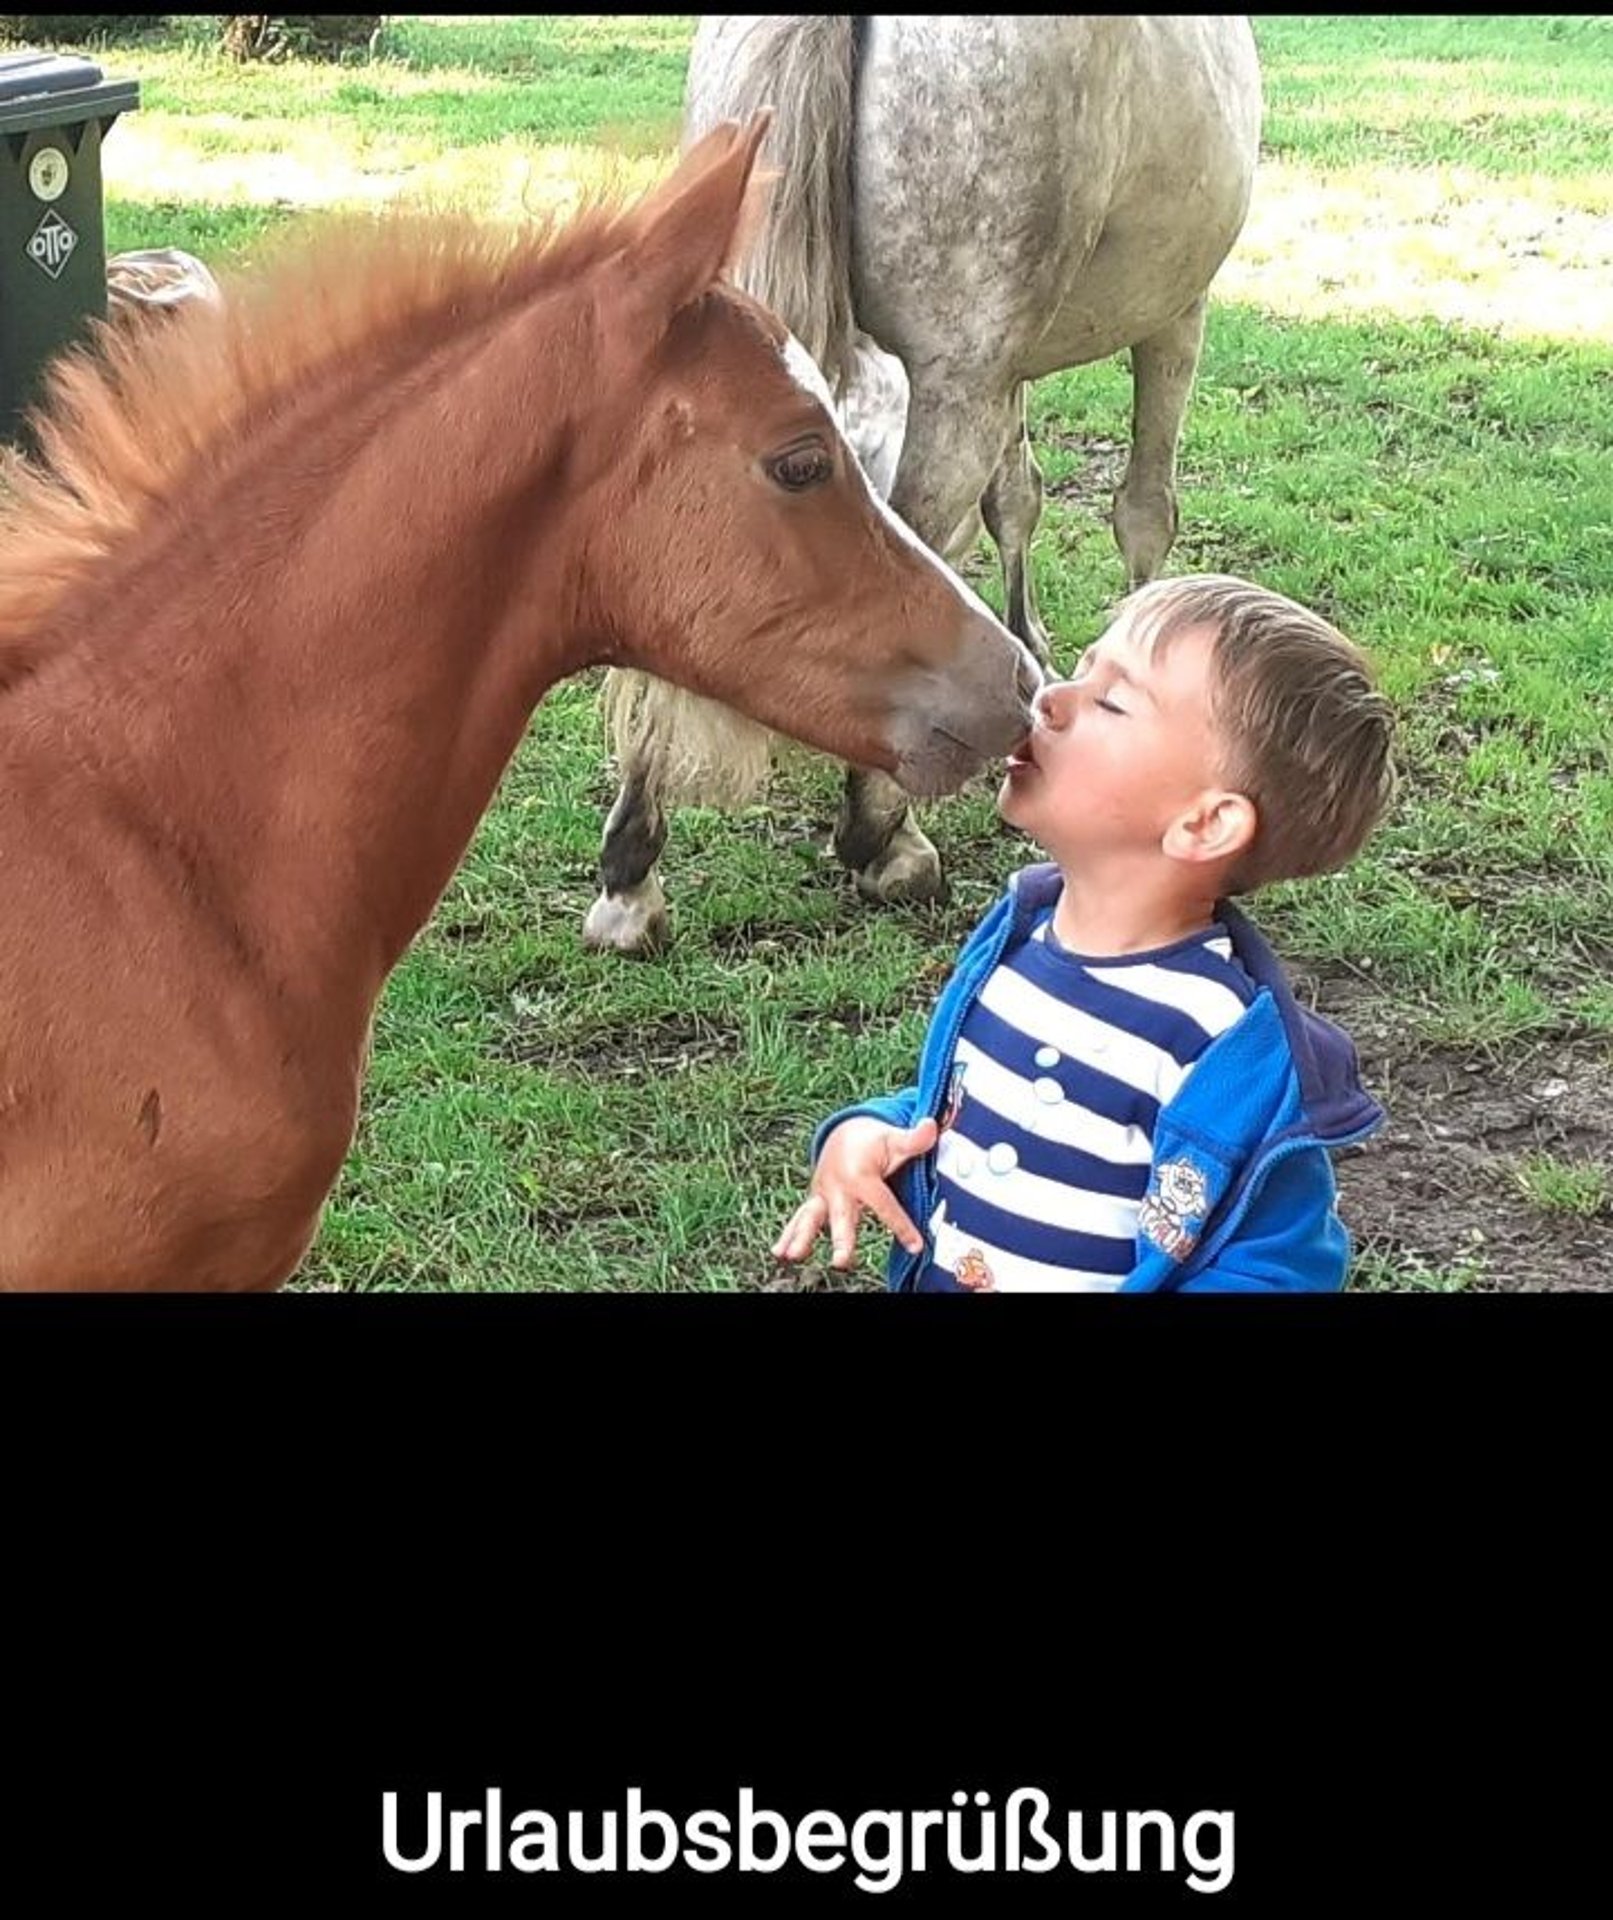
(277, 599)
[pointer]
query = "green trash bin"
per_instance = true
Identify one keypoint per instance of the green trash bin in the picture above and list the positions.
(54, 112)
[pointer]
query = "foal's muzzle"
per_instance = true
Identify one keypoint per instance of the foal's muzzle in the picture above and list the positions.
(973, 712)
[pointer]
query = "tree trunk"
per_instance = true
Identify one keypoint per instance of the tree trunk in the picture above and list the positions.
(307, 36)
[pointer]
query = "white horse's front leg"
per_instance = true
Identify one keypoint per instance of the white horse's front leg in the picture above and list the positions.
(1012, 507)
(1162, 371)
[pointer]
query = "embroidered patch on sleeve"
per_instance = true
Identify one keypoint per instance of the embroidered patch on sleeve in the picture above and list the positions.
(1172, 1211)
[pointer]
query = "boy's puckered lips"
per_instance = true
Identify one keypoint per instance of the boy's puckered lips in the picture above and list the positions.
(1022, 756)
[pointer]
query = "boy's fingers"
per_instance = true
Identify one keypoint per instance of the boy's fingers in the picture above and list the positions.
(843, 1211)
(842, 1208)
(805, 1224)
(880, 1200)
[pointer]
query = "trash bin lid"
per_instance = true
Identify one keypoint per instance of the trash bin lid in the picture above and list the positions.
(57, 89)
(27, 73)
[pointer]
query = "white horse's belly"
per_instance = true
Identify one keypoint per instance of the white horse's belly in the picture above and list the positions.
(1134, 282)
(1034, 194)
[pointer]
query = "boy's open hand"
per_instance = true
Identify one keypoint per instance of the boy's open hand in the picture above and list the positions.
(851, 1178)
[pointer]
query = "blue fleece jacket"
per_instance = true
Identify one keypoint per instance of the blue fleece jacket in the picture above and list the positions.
(1241, 1194)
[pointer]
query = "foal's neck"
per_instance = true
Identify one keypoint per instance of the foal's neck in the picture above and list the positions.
(379, 608)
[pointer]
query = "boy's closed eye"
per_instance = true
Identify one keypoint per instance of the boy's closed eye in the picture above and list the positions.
(1108, 680)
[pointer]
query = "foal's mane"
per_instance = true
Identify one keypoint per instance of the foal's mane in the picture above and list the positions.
(128, 416)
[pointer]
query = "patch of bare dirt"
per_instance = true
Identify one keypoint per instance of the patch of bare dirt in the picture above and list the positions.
(1438, 1190)
(817, 1277)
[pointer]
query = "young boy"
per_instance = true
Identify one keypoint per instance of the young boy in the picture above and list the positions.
(1118, 1090)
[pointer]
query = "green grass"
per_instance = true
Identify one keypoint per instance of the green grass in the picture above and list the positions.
(1374, 1273)
(1501, 95)
(1566, 1186)
(500, 116)
(1404, 416)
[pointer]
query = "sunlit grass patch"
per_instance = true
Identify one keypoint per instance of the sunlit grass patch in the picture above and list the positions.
(309, 168)
(1533, 260)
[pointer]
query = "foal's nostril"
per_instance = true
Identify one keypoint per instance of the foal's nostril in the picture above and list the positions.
(1028, 679)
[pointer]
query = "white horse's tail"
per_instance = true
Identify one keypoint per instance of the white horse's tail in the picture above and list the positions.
(691, 750)
(803, 66)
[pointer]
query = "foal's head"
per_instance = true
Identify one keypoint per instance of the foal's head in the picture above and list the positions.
(737, 547)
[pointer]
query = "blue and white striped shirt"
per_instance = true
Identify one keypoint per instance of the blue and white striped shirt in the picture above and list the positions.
(1058, 1077)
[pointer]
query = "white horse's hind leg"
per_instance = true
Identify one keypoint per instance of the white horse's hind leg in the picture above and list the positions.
(1011, 507)
(630, 916)
(1162, 371)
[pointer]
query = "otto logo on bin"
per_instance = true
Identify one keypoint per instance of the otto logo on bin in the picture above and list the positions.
(52, 243)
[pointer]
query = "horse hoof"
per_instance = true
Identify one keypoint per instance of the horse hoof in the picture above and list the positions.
(1145, 531)
(635, 926)
(908, 870)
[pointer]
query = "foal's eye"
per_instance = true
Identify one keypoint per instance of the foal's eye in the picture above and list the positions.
(801, 467)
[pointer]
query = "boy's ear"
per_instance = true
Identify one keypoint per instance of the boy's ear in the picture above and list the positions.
(687, 230)
(1219, 825)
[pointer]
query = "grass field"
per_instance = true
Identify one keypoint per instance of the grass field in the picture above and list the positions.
(1404, 415)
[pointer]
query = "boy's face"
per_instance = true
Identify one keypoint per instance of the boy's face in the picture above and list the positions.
(1119, 751)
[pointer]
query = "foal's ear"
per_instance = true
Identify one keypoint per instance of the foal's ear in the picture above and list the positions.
(698, 221)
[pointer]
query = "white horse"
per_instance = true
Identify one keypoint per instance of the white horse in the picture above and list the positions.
(990, 199)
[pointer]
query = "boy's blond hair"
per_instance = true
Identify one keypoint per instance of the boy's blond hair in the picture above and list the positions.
(1307, 734)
